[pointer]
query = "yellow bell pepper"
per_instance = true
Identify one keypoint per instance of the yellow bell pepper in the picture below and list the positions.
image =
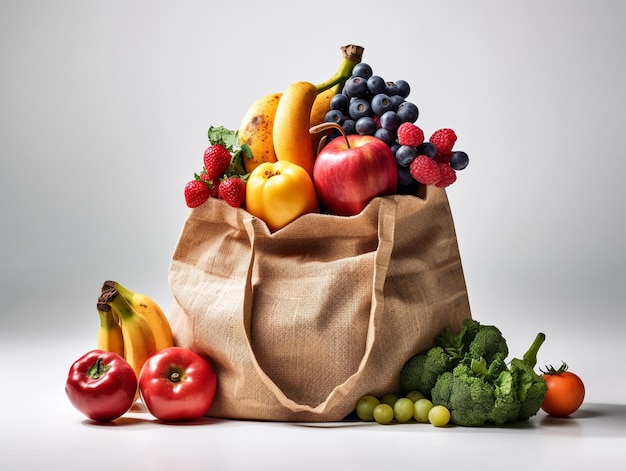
(279, 192)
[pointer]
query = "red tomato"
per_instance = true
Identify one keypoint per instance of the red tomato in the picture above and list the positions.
(177, 384)
(566, 392)
(102, 385)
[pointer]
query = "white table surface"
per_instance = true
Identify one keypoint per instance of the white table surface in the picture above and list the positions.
(41, 430)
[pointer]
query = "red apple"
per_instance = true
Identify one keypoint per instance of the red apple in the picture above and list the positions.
(351, 170)
(177, 384)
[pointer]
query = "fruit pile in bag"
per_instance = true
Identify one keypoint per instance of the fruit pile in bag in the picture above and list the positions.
(330, 147)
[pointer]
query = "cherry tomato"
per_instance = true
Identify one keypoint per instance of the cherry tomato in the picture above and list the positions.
(566, 392)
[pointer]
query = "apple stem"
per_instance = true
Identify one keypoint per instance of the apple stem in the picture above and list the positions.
(97, 370)
(325, 128)
(175, 377)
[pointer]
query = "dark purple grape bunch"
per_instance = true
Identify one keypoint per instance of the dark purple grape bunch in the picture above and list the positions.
(369, 105)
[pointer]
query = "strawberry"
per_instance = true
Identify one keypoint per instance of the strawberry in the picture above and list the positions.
(196, 193)
(216, 161)
(233, 191)
(212, 184)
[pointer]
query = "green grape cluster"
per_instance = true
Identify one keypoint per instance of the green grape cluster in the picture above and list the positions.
(413, 407)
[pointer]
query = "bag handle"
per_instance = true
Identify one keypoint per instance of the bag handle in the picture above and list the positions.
(386, 229)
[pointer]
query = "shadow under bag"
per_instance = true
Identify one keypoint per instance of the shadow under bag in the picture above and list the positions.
(301, 323)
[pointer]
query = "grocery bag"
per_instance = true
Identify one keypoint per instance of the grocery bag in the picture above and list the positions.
(300, 323)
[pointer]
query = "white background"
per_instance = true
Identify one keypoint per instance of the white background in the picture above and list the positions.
(104, 108)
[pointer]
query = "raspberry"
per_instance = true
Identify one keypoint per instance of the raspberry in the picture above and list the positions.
(233, 191)
(443, 157)
(216, 161)
(448, 176)
(196, 193)
(410, 135)
(443, 139)
(425, 170)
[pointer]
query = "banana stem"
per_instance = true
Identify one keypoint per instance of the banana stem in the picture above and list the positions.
(115, 300)
(352, 55)
(109, 284)
(115, 286)
(128, 294)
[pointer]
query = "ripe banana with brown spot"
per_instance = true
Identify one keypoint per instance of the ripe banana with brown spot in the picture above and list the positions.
(256, 129)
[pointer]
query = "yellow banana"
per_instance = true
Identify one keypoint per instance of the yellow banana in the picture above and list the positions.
(139, 343)
(292, 140)
(255, 130)
(292, 121)
(109, 338)
(321, 107)
(148, 308)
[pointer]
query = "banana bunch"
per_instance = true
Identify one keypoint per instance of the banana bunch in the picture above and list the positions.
(276, 126)
(132, 325)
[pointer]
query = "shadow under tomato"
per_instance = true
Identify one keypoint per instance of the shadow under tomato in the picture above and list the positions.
(597, 420)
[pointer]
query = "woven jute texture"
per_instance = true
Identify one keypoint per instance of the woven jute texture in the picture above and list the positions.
(301, 323)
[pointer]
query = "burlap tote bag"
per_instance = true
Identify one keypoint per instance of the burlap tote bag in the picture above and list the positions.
(301, 323)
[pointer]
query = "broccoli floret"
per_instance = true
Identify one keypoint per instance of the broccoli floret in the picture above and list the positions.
(466, 372)
(507, 405)
(420, 372)
(468, 396)
(519, 391)
(531, 386)
(477, 392)
(411, 373)
(535, 394)
(488, 343)
(456, 344)
(440, 394)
